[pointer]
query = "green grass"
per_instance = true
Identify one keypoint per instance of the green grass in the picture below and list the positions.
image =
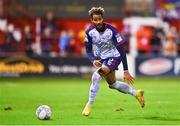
(67, 97)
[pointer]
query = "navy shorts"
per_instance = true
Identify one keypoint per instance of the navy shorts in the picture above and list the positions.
(112, 63)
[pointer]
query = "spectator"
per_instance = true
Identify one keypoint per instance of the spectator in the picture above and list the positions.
(157, 39)
(10, 42)
(29, 40)
(63, 42)
(80, 50)
(72, 42)
(178, 42)
(49, 22)
(46, 42)
(170, 46)
(2, 41)
(80, 42)
(3, 29)
(48, 34)
(18, 40)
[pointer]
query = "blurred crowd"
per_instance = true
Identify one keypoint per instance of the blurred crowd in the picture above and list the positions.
(158, 40)
(50, 39)
(44, 39)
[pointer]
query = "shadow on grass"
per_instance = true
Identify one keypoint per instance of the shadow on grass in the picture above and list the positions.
(161, 118)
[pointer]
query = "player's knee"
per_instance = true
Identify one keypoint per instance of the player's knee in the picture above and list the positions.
(110, 82)
(103, 71)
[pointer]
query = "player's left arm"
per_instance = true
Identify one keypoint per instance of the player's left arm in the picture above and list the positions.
(127, 75)
(119, 42)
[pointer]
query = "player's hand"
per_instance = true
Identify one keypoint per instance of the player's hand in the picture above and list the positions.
(128, 78)
(97, 63)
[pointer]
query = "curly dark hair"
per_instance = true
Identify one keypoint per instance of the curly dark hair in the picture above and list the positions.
(97, 11)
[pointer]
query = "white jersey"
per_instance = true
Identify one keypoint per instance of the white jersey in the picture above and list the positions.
(104, 43)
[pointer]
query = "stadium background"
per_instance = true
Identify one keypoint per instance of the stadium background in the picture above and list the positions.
(42, 44)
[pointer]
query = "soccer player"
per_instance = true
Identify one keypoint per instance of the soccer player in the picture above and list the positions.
(104, 47)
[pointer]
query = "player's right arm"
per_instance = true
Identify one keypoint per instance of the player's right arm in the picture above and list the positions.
(88, 47)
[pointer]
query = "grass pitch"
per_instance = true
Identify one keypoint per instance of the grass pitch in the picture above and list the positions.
(67, 97)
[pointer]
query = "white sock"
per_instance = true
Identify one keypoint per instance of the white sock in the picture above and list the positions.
(94, 87)
(123, 87)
